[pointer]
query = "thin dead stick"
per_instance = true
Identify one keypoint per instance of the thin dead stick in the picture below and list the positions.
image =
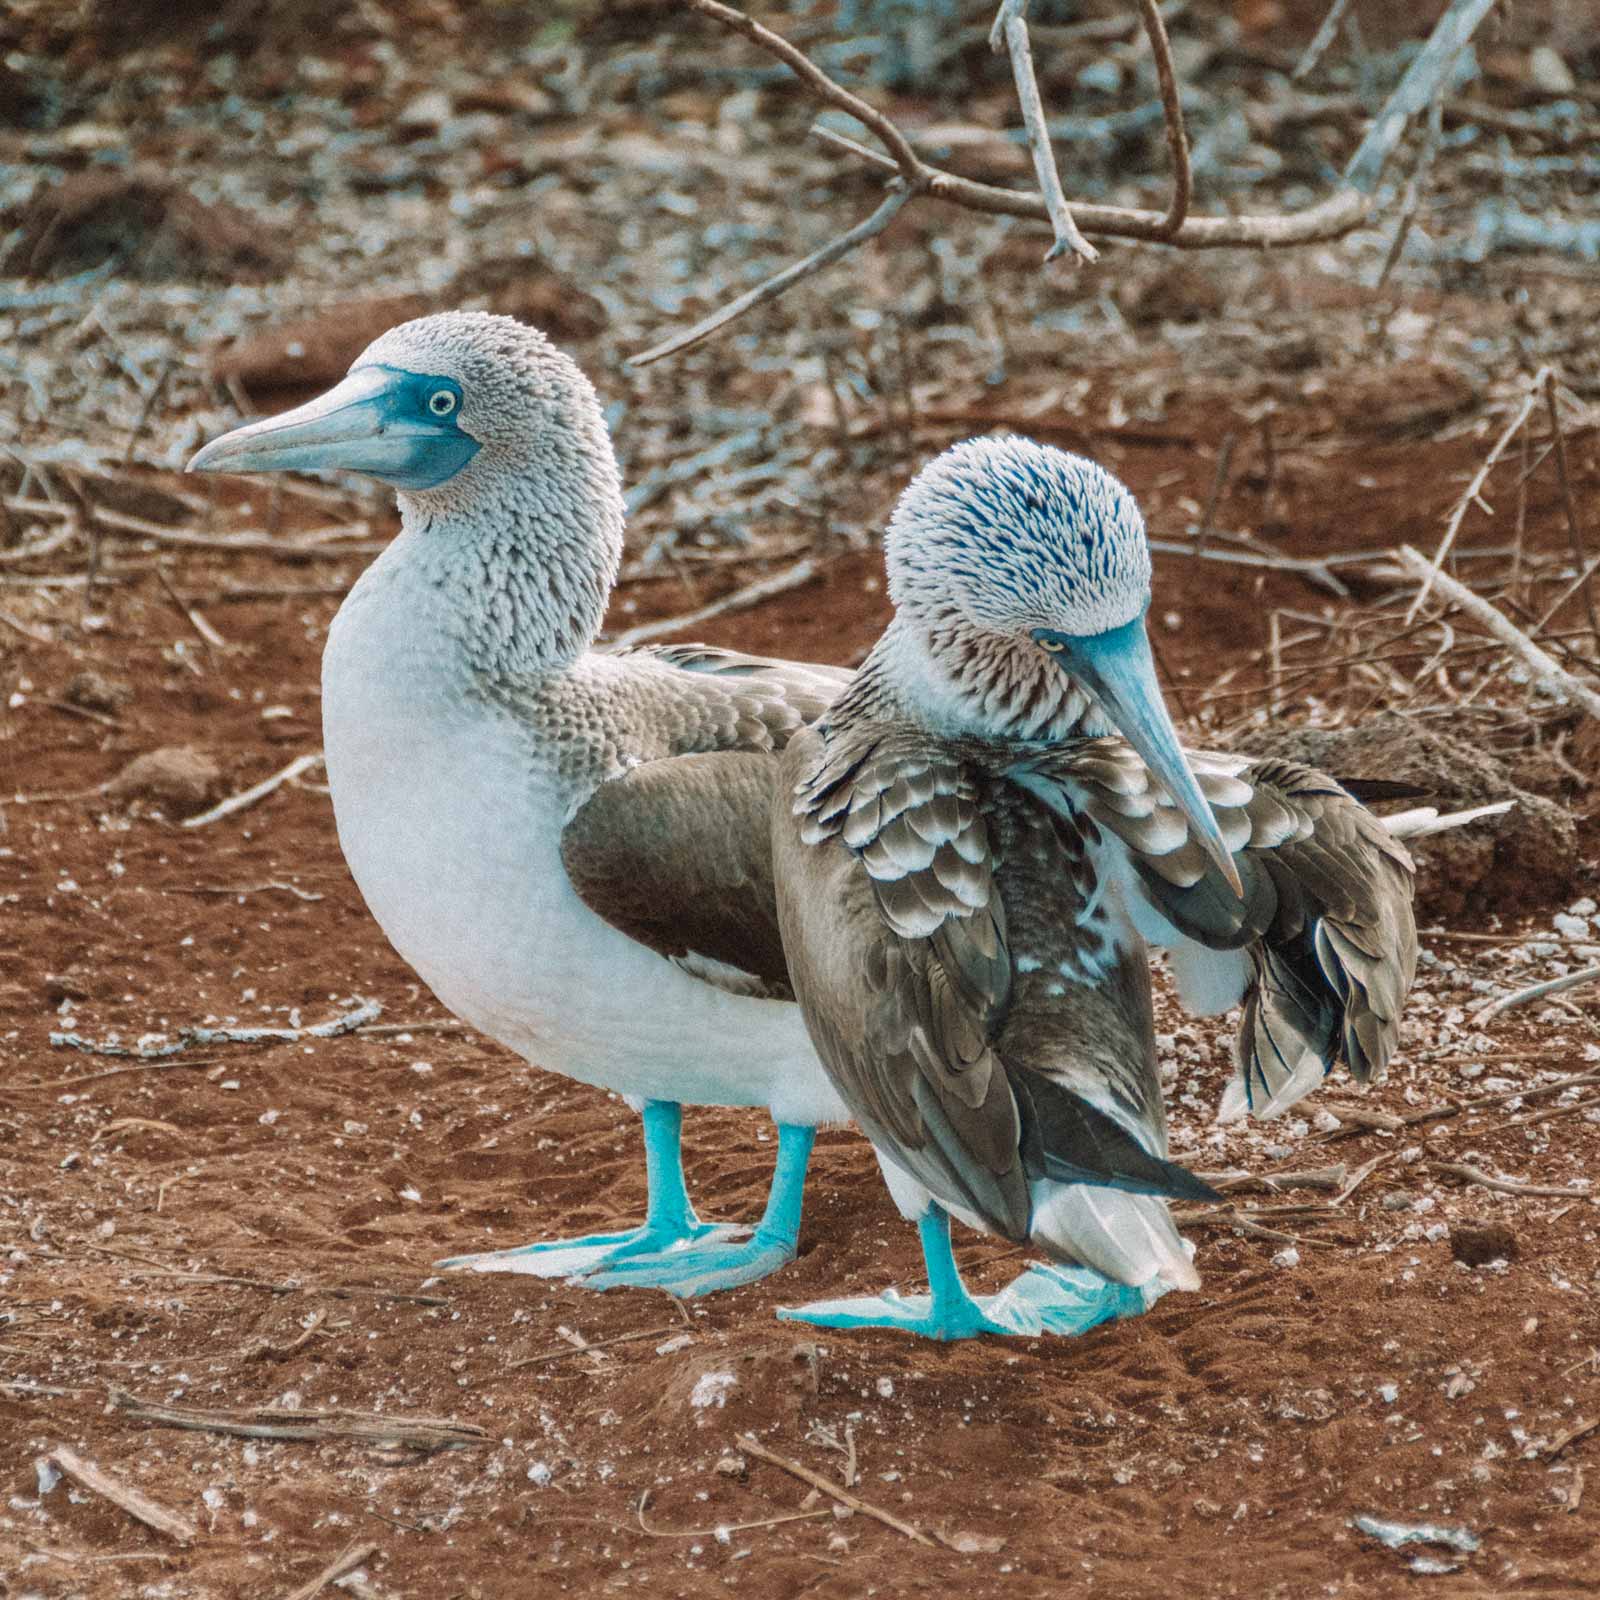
(117, 1072)
(207, 1038)
(124, 1496)
(870, 228)
(1413, 191)
(1570, 1438)
(1471, 1174)
(722, 1527)
(1010, 33)
(208, 634)
(1473, 491)
(425, 1434)
(354, 1554)
(17, 625)
(802, 572)
(1273, 1183)
(253, 543)
(1219, 481)
(1545, 668)
(1535, 1117)
(229, 890)
(43, 547)
(1580, 582)
(1536, 991)
(1359, 1177)
(796, 1469)
(1172, 113)
(151, 401)
(256, 792)
(589, 1344)
(1320, 40)
(1580, 554)
(1331, 218)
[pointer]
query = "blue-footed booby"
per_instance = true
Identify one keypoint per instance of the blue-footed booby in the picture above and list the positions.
(571, 848)
(975, 844)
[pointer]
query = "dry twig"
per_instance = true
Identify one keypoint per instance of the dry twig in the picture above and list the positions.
(258, 791)
(367, 1011)
(1574, 530)
(797, 1469)
(1320, 40)
(1471, 1174)
(424, 1434)
(352, 1556)
(1544, 666)
(1535, 991)
(1330, 218)
(802, 572)
(1010, 33)
(1472, 494)
(123, 1495)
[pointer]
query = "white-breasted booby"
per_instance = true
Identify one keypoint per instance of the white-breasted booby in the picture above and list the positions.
(570, 848)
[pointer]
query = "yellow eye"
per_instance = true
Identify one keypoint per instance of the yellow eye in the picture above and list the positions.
(441, 402)
(1054, 646)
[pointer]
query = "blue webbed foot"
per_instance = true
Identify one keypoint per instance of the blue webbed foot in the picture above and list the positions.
(692, 1269)
(575, 1258)
(669, 1223)
(1044, 1299)
(737, 1256)
(920, 1314)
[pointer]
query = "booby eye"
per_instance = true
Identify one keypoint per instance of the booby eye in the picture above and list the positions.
(441, 402)
(1045, 642)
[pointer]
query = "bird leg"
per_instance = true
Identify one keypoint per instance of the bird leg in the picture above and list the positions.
(725, 1262)
(670, 1222)
(1043, 1300)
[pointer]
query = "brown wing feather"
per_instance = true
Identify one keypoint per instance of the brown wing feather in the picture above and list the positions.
(675, 854)
(1326, 913)
(976, 1077)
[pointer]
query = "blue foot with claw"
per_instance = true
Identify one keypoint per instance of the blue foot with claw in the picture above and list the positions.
(670, 1222)
(1058, 1300)
(674, 1249)
(703, 1268)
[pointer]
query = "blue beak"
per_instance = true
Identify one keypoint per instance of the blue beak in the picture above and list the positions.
(1116, 667)
(391, 425)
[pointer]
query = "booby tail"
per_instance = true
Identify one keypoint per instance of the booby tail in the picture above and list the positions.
(1322, 948)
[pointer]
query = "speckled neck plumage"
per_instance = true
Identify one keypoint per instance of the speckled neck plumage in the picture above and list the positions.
(522, 548)
(966, 682)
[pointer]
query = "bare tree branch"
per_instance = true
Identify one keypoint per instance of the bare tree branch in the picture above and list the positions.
(1320, 40)
(1331, 218)
(1010, 33)
(1172, 110)
(774, 286)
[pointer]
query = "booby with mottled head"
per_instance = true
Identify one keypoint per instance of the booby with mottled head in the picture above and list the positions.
(975, 843)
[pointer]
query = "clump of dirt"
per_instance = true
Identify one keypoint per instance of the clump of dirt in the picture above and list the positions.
(1525, 859)
(177, 777)
(314, 351)
(149, 224)
(1477, 1243)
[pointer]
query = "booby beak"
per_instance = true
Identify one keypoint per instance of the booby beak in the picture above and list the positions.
(1117, 668)
(396, 426)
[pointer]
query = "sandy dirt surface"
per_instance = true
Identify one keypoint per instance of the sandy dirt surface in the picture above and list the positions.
(251, 1228)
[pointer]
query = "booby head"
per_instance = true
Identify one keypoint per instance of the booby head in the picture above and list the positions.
(437, 406)
(1038, 549)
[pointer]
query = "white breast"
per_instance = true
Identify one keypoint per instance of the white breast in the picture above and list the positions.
(451, 825)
